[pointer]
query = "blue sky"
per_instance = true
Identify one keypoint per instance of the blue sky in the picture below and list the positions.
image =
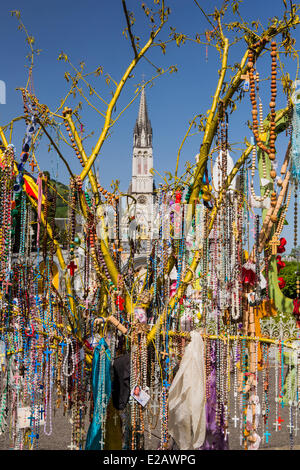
(91, 31)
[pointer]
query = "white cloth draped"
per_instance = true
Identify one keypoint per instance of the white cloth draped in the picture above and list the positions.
(187, 418)
(217, 173)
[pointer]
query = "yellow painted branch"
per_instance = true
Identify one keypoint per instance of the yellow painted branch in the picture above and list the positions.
(210, 130)
(182, 143)
(92, 177)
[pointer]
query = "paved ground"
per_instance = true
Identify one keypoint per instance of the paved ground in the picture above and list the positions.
(61, 434)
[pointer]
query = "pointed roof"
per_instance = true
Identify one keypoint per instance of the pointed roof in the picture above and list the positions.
(143, 121)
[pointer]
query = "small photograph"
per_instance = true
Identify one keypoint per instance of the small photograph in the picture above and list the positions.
(140, 395)
(252, 298)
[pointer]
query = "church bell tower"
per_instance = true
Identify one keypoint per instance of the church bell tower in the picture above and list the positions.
(142, 184)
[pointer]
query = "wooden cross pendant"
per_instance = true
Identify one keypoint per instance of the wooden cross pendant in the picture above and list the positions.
(33, 165)
(164, 354)
(274, 243)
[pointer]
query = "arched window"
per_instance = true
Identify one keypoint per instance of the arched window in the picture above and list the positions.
(139, 167)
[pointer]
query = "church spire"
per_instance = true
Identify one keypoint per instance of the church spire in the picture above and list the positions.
(143, 129)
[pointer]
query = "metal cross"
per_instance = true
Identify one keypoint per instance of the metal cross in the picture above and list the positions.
(280, 420)
(63, 344)
(32, 436)
(101, 442)
(277, 425)
(154, 406)
(47, 353)
(235, 419)
(115, 419)
(32, 418)
(42, 412)
(290, 426)
(267, 434)
(72, 446)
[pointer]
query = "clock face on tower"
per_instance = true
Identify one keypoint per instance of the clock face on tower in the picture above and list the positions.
(142, 200)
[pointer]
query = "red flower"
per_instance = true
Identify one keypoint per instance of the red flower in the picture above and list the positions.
(248, 273)
(177, 197)
(281, 248)
(281, 282)
(280, 264)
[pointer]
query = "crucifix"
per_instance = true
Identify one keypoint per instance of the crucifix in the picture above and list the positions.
(63, 344)
(32, 436)
(291, 427)
(72, 266)
(8, 284)
(115, 419)
(274, 243)
(279, 420)
(235, 419)
(33, 165)
(277, 425)
(47, 353)
(154, 406)
(267, 434)
(31, 418)
(41, 411)
(164, 354)
(101, 442)
(72, 446)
